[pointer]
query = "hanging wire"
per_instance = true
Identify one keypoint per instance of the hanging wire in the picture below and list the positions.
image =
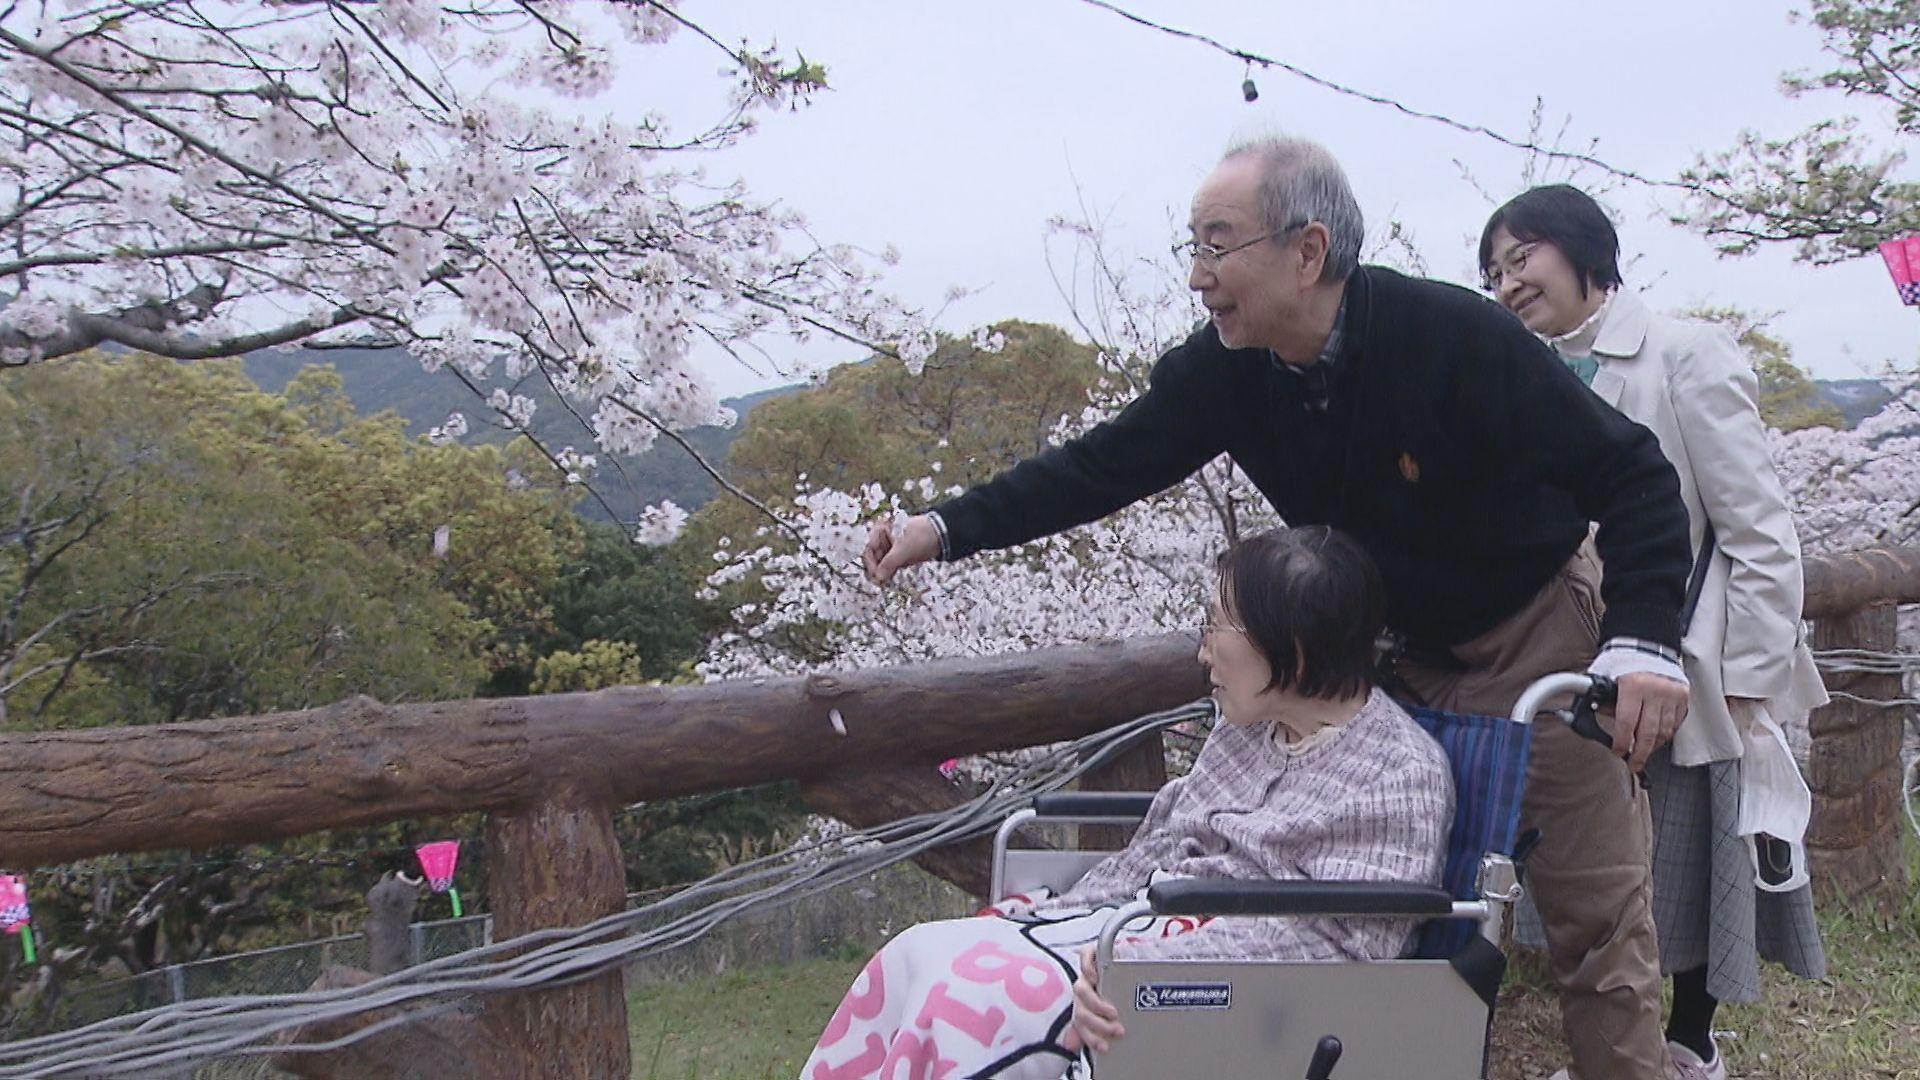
(174, 1037)
(1255, 59)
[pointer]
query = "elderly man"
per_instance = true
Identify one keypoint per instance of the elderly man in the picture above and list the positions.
(1430, 425)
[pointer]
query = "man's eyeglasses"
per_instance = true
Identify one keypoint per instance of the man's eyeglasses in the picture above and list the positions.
(1514, 262)
(1201, 253)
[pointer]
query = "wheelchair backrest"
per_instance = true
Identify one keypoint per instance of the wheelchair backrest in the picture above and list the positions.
(1488, 757)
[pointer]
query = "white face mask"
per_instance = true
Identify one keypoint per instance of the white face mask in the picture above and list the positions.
(1778, 865)
(1775, 804)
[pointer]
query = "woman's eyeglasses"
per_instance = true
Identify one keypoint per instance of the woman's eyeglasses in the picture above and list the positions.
(1514, 263)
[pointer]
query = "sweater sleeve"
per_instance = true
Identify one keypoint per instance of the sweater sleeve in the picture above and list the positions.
(1159, 439)
(1528, 412)
(1392, 826)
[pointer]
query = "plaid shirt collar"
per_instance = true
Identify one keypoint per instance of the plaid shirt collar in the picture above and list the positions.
(1318, 373)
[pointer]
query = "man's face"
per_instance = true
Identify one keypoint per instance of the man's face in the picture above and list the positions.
(1253, 292)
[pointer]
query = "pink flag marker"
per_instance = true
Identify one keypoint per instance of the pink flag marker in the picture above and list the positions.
(16, 917)
(1910, 292)
(1902, 257)
(438, 860)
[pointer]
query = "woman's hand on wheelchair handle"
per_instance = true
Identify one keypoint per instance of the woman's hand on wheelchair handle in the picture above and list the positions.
(1096, 1023)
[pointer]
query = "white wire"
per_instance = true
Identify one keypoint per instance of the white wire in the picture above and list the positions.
(168, 1038)
(1876, 662)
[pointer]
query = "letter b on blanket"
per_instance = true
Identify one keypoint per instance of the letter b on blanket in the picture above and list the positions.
(1030, 984)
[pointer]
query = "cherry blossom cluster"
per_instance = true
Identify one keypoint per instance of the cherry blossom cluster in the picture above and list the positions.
(1856, 487)
(208, 178)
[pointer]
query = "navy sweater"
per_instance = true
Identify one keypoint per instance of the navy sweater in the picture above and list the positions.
(1457, 450)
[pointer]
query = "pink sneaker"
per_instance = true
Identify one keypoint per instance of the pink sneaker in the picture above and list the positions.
(1684, 1064)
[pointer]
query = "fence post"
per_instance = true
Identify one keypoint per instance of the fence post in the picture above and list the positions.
(177, 982)
(416, 944)
(1856, 843)
(558, 865)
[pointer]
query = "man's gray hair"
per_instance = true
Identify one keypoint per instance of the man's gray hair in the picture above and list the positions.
(1301, 180)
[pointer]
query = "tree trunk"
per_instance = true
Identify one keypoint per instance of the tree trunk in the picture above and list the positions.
(559, 865)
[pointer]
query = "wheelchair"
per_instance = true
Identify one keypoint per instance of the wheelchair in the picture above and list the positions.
(1427, 1015)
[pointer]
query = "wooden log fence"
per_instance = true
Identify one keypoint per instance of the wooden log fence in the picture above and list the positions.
(863, 746)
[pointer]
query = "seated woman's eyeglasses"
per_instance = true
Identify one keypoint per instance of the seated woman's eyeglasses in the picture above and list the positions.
(1210, 626)
(1201, 253)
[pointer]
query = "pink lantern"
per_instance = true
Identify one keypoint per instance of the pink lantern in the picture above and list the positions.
(1903, 262)
(438, 860)
(14, 912)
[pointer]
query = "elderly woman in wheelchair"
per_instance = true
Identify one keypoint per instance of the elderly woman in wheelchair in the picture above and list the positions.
(1312, 775)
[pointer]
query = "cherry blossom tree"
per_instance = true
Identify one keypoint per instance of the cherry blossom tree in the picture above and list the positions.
(199, 179)
(1858, 487)
(1832, 191)
(1146, 569)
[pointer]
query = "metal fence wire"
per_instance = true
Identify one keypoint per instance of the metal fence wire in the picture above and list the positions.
(285, 969)
(858, 917)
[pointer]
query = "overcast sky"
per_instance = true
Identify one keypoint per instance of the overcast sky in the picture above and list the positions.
(954, 131)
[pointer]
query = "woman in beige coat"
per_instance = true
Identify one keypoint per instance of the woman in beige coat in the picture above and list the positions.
(1551, 256)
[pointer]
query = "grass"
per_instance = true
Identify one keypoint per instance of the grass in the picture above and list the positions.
(1862, 1021)
(750, 1024)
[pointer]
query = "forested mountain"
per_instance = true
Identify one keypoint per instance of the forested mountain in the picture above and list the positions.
(386, 379)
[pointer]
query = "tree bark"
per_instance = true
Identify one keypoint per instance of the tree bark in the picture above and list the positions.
(1139, 766)
(1854, 769)
(1840, 585)
(557, 866)
(864, 798)
(71, 794)
(461, 1043)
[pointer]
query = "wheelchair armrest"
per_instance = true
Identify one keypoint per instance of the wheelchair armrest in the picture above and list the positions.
(1190, 896)
(1104, 804)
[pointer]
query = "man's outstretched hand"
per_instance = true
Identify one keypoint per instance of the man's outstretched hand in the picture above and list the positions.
(891, 549)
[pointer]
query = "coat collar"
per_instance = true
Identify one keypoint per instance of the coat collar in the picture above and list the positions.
(1624, 331)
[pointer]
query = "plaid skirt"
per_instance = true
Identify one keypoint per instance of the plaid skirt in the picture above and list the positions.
(1705, 905)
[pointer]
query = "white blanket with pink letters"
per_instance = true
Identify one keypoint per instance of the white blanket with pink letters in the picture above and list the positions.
(986, 996)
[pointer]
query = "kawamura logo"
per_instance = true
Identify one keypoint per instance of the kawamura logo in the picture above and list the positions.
(1153, 997)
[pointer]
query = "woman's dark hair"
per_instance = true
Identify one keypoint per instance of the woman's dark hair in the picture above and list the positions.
(1570, 220)
(1312, 602)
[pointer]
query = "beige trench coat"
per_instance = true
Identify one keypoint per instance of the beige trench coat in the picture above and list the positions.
(1690, 384)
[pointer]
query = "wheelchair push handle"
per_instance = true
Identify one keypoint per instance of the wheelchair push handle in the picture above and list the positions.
(1582, 716)
(1325, 1057)
(1590, 693)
